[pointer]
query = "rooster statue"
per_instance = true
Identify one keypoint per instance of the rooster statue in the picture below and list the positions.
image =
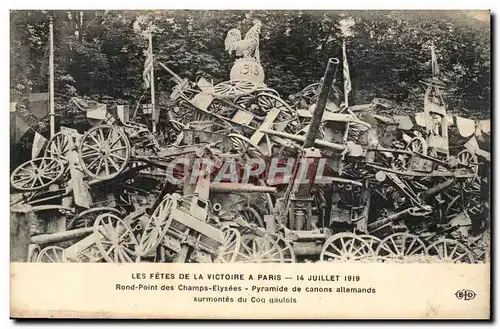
(248, 47)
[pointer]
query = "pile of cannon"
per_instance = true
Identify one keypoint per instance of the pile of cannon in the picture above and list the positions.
(119, 193)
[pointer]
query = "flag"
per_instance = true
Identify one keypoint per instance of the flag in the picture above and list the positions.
(148, 65)
(347, 77)
(435, 65)
(38, 144)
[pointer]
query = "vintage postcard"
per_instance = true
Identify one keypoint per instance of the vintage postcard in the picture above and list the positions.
(250, 164)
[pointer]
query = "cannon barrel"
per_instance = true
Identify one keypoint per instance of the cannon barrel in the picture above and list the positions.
(177, 78)
(248, 188)
(437, 189)
(51, 238)
(321, 144)
(326, 86)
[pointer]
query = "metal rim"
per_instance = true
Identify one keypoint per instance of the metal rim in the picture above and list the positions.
(346, 247)
(261, 249)
(117, 243)
(228, 252)
(450, 251)
(242, 145)
(33, 253)
(157, 226)
(104, 152)
(268, 101)
(399, 246)
(234, 88)
(57, 147)
(36, 174)
(52, 254)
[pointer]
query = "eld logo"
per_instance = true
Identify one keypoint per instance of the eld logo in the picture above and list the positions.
(465, 294)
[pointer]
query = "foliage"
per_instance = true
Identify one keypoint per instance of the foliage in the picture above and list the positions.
(101, 53)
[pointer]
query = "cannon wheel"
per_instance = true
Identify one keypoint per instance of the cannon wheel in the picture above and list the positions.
(229, 250)
(242, 145)
(33, 253)
(251, 215)
(450, 251)
(346, 247)
(263, 249)
(418, 145)
(104, 152)
(468, 158)
(234, 88)
(157, 226)
(372, 241)
(398, 246)
(118, 242)
(36, 174)
(87, 217)
(51, 254)
(267, 102)
(57, 147)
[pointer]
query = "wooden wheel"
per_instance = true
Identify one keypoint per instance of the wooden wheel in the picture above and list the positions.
(51, 254)
(57, 147)
(234, 88)
(157, 226)
(286, 249)
(372, 241)
(251, 215)
(400, 247)
(117, 243)
(261, 249)
(36, 174)
(104, 152)
(87, 217)
(267, 102)
(450, 251)
(346, 247)
(242, 145)
(228, 252)
(33, 253)
(418, 145)
(469, 159)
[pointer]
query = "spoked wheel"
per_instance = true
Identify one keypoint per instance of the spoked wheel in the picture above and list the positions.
(36, 174)
(234, 88)
(286, 249)
(33, 253)
(117, 243)
(261, 249)
(157, 226)
(469, 159)
(57, 147)
(104, 152)
(418, 145)
(228, 252)
(251, 215)
(52, 254)
(372, 241)
(346, 247)
(450, 251)
(242, 145)
(267, 102)
(401, 247)
(87, 218)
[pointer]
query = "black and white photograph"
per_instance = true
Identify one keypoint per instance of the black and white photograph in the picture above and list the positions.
(250, 136)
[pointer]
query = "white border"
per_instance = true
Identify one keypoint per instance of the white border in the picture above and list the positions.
(187, 4)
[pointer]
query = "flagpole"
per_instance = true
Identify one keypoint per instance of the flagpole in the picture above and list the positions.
(153, 109)
(51, 78)
(346, 93)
